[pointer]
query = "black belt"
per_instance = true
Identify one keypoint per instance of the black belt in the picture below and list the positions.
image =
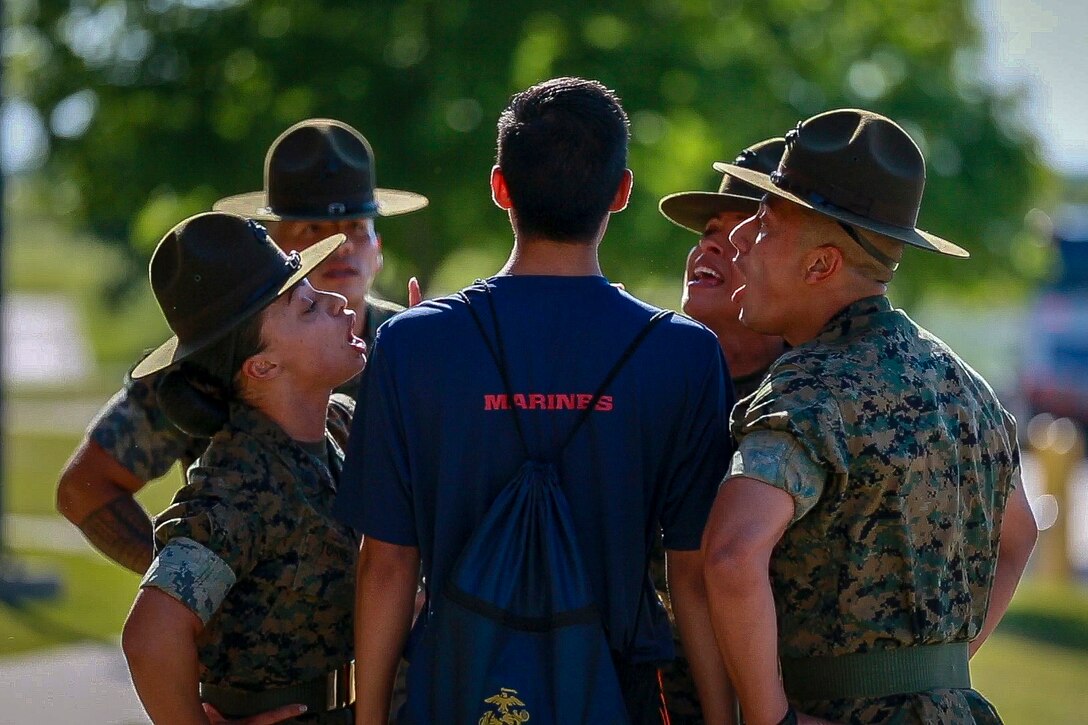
(332, 691)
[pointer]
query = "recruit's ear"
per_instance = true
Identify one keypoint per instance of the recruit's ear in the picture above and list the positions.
(623, 192)
(499, 193)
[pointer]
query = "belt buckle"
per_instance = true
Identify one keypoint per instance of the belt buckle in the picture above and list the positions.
(340, 687)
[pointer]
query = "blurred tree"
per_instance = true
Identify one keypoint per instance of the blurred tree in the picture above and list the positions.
(157, 107)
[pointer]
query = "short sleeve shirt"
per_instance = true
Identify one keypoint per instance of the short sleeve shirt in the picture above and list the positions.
(435, 441)
(894, 539)
(249, 545)
(899, 459)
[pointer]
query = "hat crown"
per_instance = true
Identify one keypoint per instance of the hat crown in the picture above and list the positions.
(858, 161)
(320, 168)
(762, 157)
(194, 273)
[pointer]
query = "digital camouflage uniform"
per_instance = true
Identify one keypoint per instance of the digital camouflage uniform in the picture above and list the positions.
(899, 459)
(677, 681)
(249, 545)
(135, 432)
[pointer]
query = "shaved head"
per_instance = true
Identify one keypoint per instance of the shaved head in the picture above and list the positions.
(817, 230)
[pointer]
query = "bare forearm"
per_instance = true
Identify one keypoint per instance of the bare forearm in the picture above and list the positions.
(691, 609)
(1005, 581)
(385, 603)
(95, 493)
(123, 531)
(1018, 536)
(745, 524)
(162, 659)
(168, 691)
(743, 615)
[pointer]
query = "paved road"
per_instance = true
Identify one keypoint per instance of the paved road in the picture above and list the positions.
(84, 683)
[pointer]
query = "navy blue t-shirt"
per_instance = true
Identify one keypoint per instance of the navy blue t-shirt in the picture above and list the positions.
(433, 440)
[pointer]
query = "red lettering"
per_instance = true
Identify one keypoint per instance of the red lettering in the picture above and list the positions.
(496, 402)
(549, 401)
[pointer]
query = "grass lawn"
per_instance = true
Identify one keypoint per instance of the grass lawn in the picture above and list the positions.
(1031, 681)
(32, 463)
(31, 466)
(1036, 671)
(95, 599)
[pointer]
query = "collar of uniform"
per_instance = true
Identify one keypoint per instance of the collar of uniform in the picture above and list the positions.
(336, 458)
(853, 318)
(253, 422)
(245, 417)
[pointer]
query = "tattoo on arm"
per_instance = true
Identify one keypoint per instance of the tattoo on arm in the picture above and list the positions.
(122, 530)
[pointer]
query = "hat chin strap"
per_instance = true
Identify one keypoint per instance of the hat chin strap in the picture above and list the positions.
(869, 248)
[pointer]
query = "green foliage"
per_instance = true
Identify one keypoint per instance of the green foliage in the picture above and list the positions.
(34, 460)
(188, 94)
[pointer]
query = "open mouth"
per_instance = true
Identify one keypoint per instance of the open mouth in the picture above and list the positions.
(704, 276)
(354, 341)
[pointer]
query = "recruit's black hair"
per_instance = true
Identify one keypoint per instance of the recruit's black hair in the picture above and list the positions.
(562, 148)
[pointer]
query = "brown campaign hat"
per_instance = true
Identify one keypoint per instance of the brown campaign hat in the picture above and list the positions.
(693, 209)
(212, 272)
(320, 170)
(857, 167)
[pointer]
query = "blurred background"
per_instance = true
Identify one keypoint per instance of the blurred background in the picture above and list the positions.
(121, 117)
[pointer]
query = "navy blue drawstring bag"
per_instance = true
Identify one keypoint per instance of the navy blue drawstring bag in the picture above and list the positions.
(515, 633)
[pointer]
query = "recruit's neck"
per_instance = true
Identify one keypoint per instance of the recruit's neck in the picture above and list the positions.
(301, 414)
(548, 257)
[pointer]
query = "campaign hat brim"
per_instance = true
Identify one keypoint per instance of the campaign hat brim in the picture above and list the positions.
(908, 235)
(172, 351)
(254, 205)
(691, 210)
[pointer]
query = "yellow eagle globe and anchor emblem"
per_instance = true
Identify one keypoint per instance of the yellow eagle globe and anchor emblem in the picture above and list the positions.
(504, 710)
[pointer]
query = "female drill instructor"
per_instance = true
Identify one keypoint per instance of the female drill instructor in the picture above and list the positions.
(248, 604)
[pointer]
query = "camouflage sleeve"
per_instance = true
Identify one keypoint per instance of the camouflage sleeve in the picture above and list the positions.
(193, 574)
(1016, 477)
(798, 405)
(777, 459)
(220, 511)
(135, 432)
